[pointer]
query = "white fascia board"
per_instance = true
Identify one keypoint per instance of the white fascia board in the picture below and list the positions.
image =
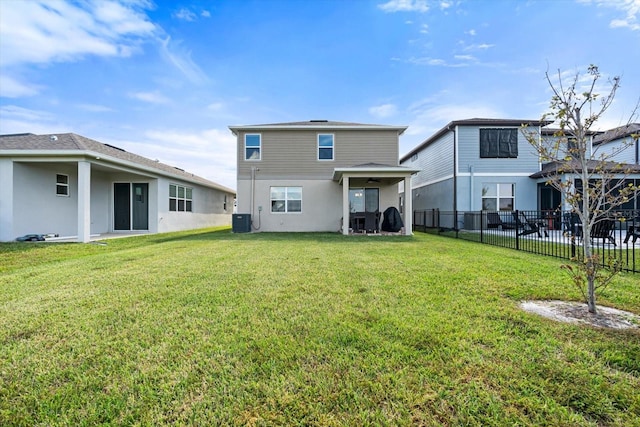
(102, 159)
(235, 129)
(373, 172)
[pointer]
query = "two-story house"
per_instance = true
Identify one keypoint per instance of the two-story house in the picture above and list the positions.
(318, 175)
(475, 164)
(77, 188)
(487, 164)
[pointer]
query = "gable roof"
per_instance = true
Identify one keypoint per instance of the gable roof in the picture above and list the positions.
(316, 125)
(473, 122)
(617, 133)
(72, 144)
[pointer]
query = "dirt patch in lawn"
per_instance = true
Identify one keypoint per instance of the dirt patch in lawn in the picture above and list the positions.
(575, 312)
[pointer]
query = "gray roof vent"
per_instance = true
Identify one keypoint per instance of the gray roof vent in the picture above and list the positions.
(53, 137)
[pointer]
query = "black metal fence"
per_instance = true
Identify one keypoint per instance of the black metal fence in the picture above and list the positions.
(557, 234)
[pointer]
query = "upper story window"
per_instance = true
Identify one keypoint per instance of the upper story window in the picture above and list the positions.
(325, 146)
(498, 143)
(252, 146)
(180, 198)
(286, 199)
(62, 185)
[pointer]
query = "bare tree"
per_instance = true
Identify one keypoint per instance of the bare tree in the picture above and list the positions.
(589, 179)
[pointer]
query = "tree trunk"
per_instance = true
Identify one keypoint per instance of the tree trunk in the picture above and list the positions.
(591, 286)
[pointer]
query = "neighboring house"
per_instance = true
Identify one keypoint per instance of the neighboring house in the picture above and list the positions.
(619, 145)
(76, 187)
(622, 142)
(487, 164)
(475, 164)
(318, 175)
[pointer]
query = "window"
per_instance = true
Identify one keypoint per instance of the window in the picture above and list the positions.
(252, 146)
(62, 185)
(364, 200)
(325, 146)
(498, 197)
(498, 143)
(286, 199)
(180, 198)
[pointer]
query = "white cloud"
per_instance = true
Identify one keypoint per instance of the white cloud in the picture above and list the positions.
(481, 46)
(631, 9)
(383, 111)
(95, 108)
(205, 14)
(404, 6)
(471, 32)
(181, 59)
(424, 29)
(430, 116)
(150, 97)
(436, 62)
(23, 120)
(209, 153)
(41, 31)
(12, 88)
(185, 15)
(216, 106)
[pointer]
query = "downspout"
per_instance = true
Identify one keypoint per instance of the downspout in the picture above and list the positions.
(455, 178)
(253, 184)
(253, 192)
(471, 190)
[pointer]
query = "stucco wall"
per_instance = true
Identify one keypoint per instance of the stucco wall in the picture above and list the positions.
(37, 209)
(321, 205)
(208, 208)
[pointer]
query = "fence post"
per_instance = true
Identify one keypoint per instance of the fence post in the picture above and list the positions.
(517, 234)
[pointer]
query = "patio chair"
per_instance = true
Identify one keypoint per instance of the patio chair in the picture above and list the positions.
(603, 229)
(572, 225)
(632, 233)
(371, 222)
(494, 221)
(526, 225)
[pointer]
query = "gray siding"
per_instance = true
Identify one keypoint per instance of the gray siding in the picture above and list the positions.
(469, 154)
(293, 153)
(435, 196)
(435, 161)
(470, 191)
(625, 150)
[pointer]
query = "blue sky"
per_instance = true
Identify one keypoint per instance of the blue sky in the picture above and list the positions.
(164, 79)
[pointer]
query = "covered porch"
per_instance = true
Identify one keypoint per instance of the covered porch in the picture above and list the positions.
(370, 189)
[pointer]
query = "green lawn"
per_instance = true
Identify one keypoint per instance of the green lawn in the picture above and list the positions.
(215, 328)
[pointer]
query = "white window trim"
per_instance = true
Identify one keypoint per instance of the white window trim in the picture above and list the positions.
(497, 196)
(259, 147)
(62, 185)
(286, 200)
(178, 198)
(333, 147)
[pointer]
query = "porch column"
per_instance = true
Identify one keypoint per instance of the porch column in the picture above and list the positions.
(84, 201)
(408, 207)
(345, 205)
(6, 200)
